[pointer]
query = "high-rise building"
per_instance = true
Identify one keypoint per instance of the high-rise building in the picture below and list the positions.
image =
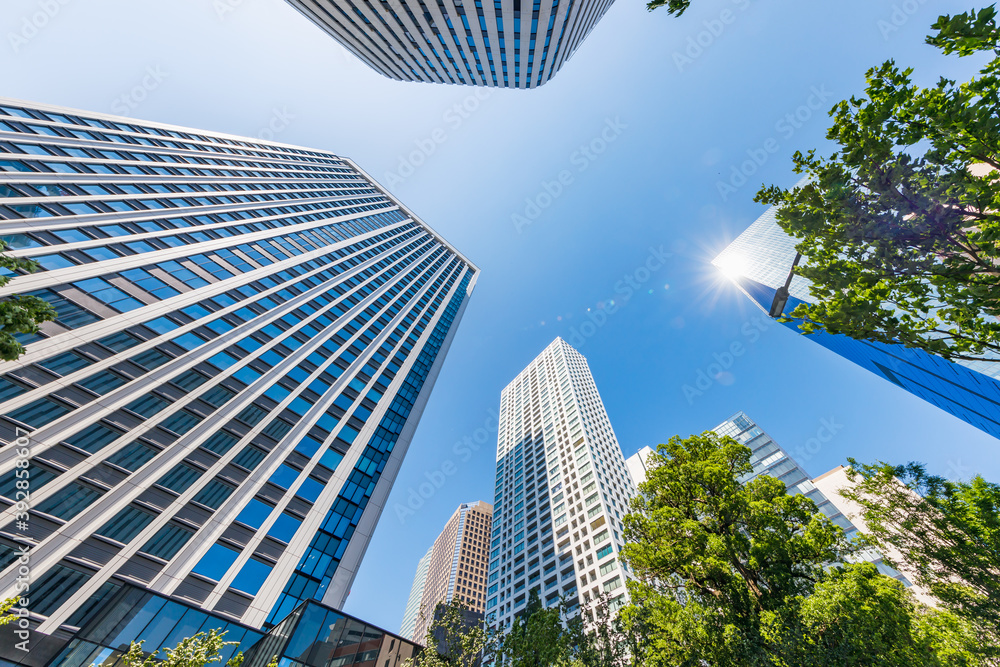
(412, 611)
(247, 334)
(759, 262)
(561, 491)
(768, 458)
(458, 565)
(506, 45)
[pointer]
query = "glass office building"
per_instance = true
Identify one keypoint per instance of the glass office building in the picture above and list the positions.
(561, 491)
(759, 261)
(509, 44)
(247, 333)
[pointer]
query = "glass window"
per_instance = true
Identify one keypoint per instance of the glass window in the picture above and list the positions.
(133, 456)
(56, 586)
(168, 541)
(105, 292)
(180, 478)
(284, 527)
(65, 363)
(127, 524)
(70, 501)
(93, 438)
(252, 576)
(103, 382)
(214, 494)
(255, 513)
(216, 562)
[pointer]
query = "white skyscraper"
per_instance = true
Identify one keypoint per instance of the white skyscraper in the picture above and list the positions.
(562, 489)
(412, 611)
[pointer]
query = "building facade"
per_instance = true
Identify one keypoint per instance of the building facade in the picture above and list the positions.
(247, 334)
(509, 44)
(759, 261)
(458, 565)
(768, 458)
(562, 489)
(412, 611)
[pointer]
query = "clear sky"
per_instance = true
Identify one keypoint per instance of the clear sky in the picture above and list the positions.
(674, 123)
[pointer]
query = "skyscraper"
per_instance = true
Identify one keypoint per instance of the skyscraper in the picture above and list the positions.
(768, 458)
(458, 565)
(505, 45)
(561, 490)
(759, 262)
(247, 334)
(412, 611)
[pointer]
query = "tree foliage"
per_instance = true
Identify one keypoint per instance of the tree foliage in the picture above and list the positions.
(452, 640)
(539, 638)
(947, 533)
(734, 573)
(900, 227)
(199, 650)
(715, 557)
(675, 7)
(19, 314)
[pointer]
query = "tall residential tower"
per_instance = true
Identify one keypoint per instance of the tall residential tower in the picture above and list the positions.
(509, 44)
(247, 334)
(561, 490)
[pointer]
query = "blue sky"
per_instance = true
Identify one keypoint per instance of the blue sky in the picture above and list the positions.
(669, 125)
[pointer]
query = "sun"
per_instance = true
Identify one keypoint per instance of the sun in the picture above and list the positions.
(732, 265)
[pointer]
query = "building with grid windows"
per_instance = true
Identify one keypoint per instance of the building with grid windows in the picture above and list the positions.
(768, 458)
(457, 566)
(247, 334)
(412, 611)
(759, 262)
(509, 44)
(562, 489)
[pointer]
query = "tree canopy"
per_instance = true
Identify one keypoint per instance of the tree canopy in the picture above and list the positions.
(946, 532)
(735, 572)
(900, 226)
(19, 314)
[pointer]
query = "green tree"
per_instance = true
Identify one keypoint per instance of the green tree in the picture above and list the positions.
(675, 7)
(199, 650)
(947, 533)
(452, 640)
(539, 638)
(732, 573)
(900, 226)
(19, 314)
(857, 616)
(612, 639)
(713, 556)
